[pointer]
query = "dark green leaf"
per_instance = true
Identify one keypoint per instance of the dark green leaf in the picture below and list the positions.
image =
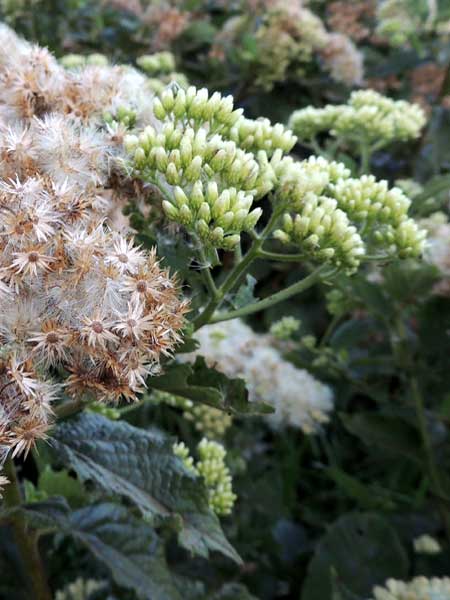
(201, 383)
(391, 434)
(140, 465)
(363, 550)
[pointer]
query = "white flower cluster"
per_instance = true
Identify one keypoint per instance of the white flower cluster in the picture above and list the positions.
(437, 250)
(298, 398)
(326, 207)
(75, 295)
(426, 544)
(80, 589)
(368, 116)
(420, 588)
(211, 181)
(212, 468)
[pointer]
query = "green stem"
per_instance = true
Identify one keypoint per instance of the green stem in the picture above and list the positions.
(285, 294)
(433, 473)
(238, 271)
(26, 539)
(71, 407)
(206, 274)
(281, 257)
(366, 154)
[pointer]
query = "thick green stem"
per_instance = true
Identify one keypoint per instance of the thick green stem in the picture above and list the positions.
(366, 154)
(238, 271)
(285, 294)
(433, 473)
(26, 539)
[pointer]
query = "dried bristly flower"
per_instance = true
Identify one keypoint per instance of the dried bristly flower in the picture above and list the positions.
(74, 295)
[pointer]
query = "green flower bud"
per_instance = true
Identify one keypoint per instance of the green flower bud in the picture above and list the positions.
(130, 143)
(170, 210)
(180, 197)
(197, 198)
(193, 171)
(158, 109)
(204, 212)
(185, 215)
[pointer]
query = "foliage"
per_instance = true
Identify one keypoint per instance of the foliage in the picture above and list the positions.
(310, 316)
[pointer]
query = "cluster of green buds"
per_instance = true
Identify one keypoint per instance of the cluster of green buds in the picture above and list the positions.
(210, 421)
(79, 61)
(399, 21)
(368, 117)
(156, 64)
(123, 115)
(334, 217)
(259, 134)
(212, 468)
(209, 183)
(285, 328)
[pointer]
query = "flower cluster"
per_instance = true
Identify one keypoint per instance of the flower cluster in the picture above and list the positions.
(417, 589)
(368, 117)
(326, 207)
(212, 468)
(211, 422)
(156, 64)
(233, 348)
(76, 297)
(210, 182)
(288, 37)
(425, 544)
(399, 20)
(284, 328)
(80, 589)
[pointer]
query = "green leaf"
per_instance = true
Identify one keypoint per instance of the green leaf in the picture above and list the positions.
(245, 294)
(60, 483)
(129, 547)
(201, 383)
(140, 465)
(367, 497)
(363, 551)
(391, 434)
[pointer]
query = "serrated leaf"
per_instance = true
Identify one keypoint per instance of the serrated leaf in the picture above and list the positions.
(129, 547)
(140, 465)
(391, 434)
(201, 383)
(363, 551)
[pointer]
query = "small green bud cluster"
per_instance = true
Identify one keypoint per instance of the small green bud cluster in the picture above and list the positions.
(197, 107)
(259, 134)
(182, 451)
(123, 115)
(215, 473)
(210, 183)
(368, 116)
(78, 61)
(284, 328)
(324, 232)
(309, 122)
(210, 421)
(296, 179)
(398, 21)
(156, 64)
(326, 207)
